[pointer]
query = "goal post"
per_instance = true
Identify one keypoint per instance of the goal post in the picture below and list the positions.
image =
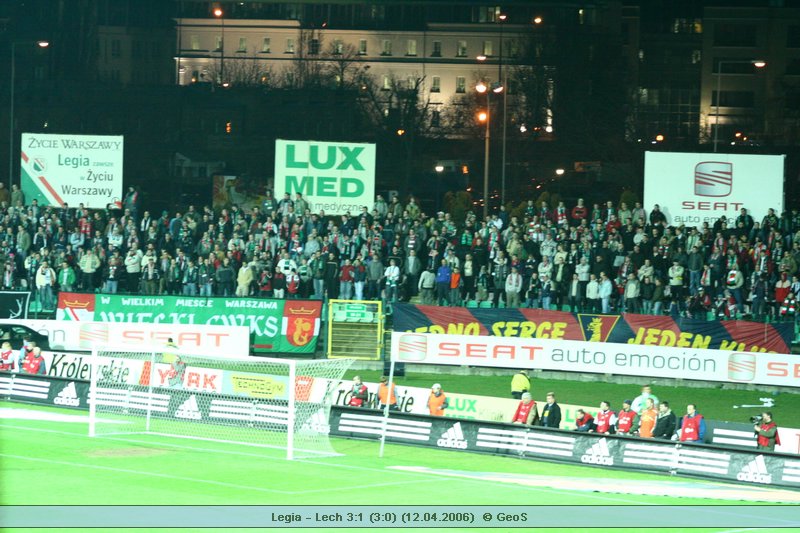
(254, 401)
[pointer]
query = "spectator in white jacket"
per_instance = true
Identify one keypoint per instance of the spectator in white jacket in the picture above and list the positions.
(605, 293)
(513, 288)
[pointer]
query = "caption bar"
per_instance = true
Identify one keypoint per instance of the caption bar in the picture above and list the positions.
(365, 516)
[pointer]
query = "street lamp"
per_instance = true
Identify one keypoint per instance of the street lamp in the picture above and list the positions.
(503, 18)
(756, 63)
(40, 44)
(221, 16)
(484, 117)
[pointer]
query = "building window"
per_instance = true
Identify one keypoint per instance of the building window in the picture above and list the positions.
(195, 42)
(487, 49)
(290, 45)
(436, 119)
(338, 47)
(793, 37)
(437, 49)
(735, 35)
(387, 83)
(386, 48)
(461, 50)
(218, 43)
(461, 84)
(411, 47)
(313, 47)
(696, 57)
(265, 45)
(242, 44)
(116, 48)
(436, 84)
(411, 83)
(734, 99)
(362, 47)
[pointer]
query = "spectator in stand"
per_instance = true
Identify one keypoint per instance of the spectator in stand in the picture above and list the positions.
(584, 422)
(526, 413)
(443, 274)
(606, 288)
(513, 288)
(692, 427)
(551, 412)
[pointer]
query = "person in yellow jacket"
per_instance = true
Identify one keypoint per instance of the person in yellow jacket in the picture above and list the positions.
(520, 384)
(437, 401)
(387, 396)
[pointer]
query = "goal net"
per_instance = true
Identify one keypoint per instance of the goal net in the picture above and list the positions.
(256, 401)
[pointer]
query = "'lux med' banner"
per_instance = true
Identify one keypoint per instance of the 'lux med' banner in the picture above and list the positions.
(276, 326)
(71, 169)
(332, 177)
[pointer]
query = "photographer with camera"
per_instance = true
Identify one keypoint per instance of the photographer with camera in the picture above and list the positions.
(766, 431)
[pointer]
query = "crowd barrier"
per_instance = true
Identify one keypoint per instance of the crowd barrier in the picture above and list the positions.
(740, 464)
(627, 328)
(627, 453)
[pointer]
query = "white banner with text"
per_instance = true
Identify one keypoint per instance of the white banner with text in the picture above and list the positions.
(693, 188)
(596, 358)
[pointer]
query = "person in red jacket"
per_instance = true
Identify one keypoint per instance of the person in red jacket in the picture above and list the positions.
(583, 421)
(359, 394)
(767, 433)
(627, 419)
(693, 426)
(526, 413)
(605, 421)
(8, 361)
(34, 363)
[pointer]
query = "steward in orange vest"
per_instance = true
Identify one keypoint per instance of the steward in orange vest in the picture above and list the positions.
(437, 401)
(386, 396)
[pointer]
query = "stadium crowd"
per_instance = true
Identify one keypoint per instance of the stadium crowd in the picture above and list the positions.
(604, 258)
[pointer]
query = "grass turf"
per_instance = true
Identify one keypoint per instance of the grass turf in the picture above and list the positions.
(714, 403)
(60, 465)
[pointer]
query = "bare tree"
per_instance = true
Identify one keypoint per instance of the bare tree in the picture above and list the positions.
(243, 72)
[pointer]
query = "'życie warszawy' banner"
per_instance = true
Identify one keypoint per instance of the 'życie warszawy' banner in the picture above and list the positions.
(276, 326)
(650, 330)
(71, 169)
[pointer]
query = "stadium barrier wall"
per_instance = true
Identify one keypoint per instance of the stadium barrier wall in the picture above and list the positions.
(597, 358)
(196, 339)
(626, 328)
(626, 453)
(276, 326)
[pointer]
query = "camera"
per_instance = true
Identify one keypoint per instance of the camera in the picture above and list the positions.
(755, 419)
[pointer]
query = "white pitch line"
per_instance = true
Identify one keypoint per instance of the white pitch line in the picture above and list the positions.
(139, 472)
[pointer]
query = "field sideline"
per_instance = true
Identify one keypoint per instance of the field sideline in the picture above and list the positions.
(60, 465)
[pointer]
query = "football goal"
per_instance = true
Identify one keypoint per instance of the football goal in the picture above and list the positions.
(255, 401)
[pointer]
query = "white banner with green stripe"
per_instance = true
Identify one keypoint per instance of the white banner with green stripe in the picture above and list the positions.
(73, 169)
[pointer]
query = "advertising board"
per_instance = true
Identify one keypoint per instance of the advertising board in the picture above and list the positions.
(333, 177)
(72, 169)
(693, 188)
(200, 339)
(597, 358)
(276, 326)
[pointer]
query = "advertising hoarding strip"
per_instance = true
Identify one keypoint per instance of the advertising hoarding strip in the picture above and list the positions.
(627, 328)
(598, 358)
(279, 326)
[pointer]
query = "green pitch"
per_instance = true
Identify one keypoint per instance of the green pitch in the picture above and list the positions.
(60, 465)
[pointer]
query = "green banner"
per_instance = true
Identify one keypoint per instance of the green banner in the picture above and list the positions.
(276, 326)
